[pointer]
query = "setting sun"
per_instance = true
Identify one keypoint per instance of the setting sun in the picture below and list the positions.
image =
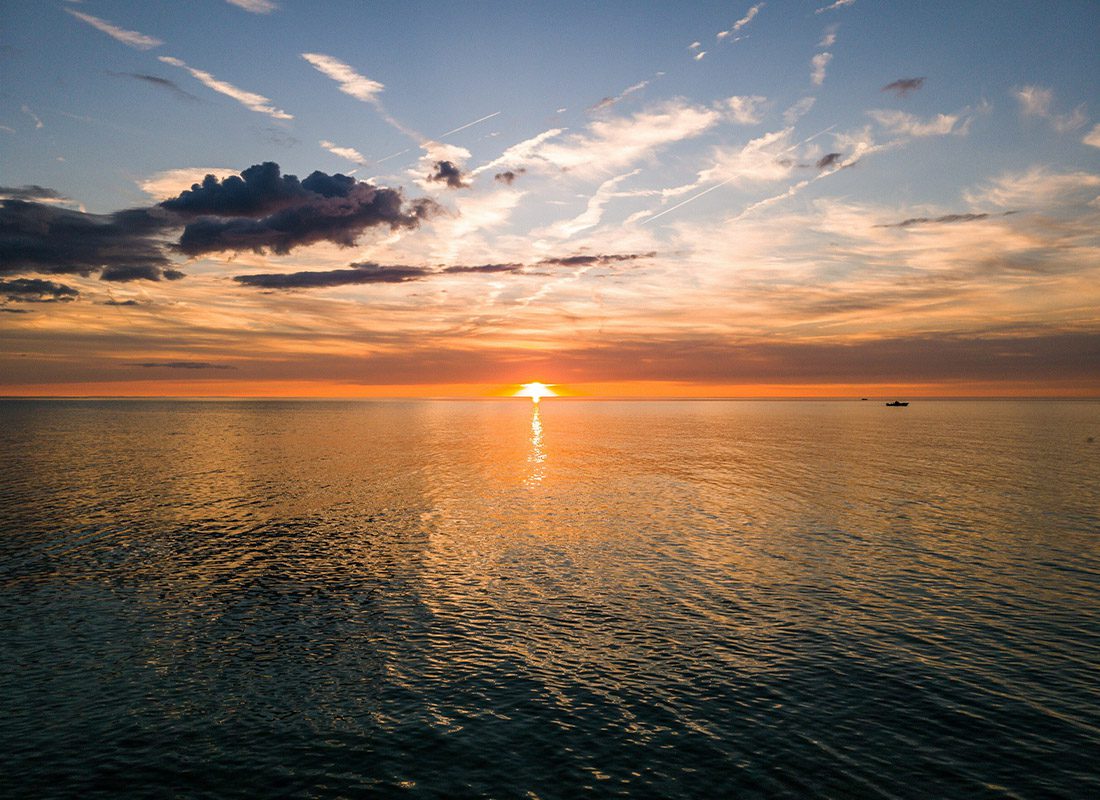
(536, 391)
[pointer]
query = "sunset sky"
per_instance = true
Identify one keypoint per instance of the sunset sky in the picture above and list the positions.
(618, 198)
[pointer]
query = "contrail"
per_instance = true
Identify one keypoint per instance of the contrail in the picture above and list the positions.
(469, 125)
(727, 180)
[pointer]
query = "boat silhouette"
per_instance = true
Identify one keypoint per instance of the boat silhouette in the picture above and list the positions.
(897, 403)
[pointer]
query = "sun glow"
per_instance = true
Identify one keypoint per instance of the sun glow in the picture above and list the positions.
(536, 391)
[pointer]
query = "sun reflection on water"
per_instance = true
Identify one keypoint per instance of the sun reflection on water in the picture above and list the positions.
(536, 458)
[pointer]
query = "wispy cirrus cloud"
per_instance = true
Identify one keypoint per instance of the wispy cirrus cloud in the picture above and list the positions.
(38, 123)
(903, 123)
(1092, 138)
(818, 64)
(350, 153)
(607, 102)
(132, 38)
(835, 6)
(736, 28)
(255, 6)
(1038, 101)
(828, 38)
(351, 82)
(250, 100)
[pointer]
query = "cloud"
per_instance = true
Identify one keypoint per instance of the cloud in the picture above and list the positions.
(746, 110)
(36, 290)
(255, 6)
(485, 269)
(351, 82)
(160, 83)
(700, 54)
(112, 302)
(798, 110)
(350, 153)
(900, 122)
(38, 124)
(600, 260)
(1034, 100)
(447, 172)
(607, 102)
(43, 238)
(610, 144)
(1092, 138)
(828, 38)
(593, 213)
(519, 153)
(169, 183)
(131, 38)
(182, 365)
(819, 62)
(948, 219)
(835, 6)
(139, 273)
(250, 100)
(508, 176)
(1066, 123)
(750, 15)
(902, 87)
(357, 275)
(269, 211)
(32, 192)
(1037, 187)
(828, 160)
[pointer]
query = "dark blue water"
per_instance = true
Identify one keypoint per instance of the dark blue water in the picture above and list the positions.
(433, 599)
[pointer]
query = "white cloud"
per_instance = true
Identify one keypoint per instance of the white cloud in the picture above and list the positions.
(1093, 136)
(798, 110)
(900, 122)
(834, 6)
(819, 62)
(519, 154)
(350, 153)
(828, 39)
(255, 6)
(1066, 123)
(1034, 100)
(746, 110)
(1037, 186)
(700, 54)
(37, 122)
(250, 100)
(741, 23)
(170, 182)
(131, 38)
(610, 144)
(593, 213)
(351, 82)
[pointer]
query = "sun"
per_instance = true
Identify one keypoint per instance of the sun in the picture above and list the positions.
(536, 391)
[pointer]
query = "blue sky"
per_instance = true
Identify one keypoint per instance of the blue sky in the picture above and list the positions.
(768, 188)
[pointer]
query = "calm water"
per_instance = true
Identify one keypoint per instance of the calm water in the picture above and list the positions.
(431, 599)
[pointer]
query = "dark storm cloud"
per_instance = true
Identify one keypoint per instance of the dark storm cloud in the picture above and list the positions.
(43, 238)
(583, 261)
(139, 273)
(509, 175)
(37, 290)
(945, 219)
(113, 302)
(357, 274)
(269, 211)
(158, 82)
(182, 365)
(259, 210)
(828, 160)
(31, 192)
(903, 86)
(448, 172)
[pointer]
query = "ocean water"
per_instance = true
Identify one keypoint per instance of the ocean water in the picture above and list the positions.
(491, 599)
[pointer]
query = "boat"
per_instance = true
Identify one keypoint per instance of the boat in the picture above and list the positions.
(897, 404)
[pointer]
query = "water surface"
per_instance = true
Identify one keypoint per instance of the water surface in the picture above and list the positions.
(648, 599)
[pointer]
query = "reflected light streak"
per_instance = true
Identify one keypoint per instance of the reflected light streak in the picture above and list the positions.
(537, 457)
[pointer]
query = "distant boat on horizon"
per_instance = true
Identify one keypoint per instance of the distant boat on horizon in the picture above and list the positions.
(897, 403)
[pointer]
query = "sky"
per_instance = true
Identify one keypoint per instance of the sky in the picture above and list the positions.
(778, 199)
